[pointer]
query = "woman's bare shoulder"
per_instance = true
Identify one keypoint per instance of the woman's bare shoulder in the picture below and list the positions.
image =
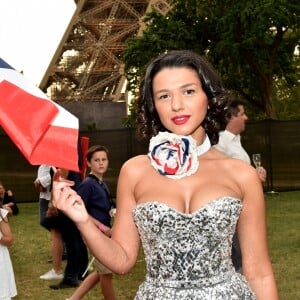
(229, 161)
(143, 158)
(135, 164)
(237, 169)
(132, 171)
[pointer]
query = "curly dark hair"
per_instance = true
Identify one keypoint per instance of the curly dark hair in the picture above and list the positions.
(148, 122)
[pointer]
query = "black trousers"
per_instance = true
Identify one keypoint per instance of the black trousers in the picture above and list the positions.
(77, 254)
(236, 253)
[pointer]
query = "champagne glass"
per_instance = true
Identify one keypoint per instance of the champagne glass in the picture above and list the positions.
(256, 159)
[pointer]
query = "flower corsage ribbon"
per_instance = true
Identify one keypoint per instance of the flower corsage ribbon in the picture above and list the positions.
(173, 155)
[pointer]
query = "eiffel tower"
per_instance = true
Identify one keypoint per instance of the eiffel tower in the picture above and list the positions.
(87, 64)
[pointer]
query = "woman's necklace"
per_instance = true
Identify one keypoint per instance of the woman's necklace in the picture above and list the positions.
(204, 147)
(176, 156)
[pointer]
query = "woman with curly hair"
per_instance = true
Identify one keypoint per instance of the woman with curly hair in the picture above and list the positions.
(184, 199)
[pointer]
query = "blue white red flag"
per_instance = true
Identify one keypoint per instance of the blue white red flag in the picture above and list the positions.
(44, 132)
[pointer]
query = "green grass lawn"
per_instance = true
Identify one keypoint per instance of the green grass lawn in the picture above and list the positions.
(283, 213)
(31, 251)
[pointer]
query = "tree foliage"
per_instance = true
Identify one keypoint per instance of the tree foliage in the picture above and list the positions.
(250, 42)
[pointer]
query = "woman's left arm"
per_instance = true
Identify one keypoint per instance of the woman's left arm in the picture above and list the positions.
(252, 233)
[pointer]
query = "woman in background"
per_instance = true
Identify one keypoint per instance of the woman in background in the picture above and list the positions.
(8, 200)
(8, 288)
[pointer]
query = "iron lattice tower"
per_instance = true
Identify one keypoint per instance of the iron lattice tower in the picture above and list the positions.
(87, 63)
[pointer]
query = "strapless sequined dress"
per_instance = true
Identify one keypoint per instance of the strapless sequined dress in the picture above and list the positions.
(188, 256)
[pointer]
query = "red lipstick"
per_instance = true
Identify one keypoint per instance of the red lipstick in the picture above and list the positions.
(179, 120)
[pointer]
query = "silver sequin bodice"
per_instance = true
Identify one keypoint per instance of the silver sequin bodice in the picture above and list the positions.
(188, 256)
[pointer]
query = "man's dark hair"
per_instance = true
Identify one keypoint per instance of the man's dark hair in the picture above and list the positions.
(232, 108)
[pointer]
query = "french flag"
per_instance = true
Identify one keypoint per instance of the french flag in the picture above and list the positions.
(44, 132)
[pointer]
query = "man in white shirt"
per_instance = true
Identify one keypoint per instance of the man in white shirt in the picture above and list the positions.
(230, 144)
(230, 139)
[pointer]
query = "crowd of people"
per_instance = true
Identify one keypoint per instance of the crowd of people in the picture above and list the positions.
(65, 238)
(65, 234)
(184, 200)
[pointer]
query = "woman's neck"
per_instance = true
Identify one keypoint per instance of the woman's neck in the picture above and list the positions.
(199, 135)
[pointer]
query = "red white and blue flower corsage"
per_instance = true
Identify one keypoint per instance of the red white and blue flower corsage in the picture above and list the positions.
(173, 155)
